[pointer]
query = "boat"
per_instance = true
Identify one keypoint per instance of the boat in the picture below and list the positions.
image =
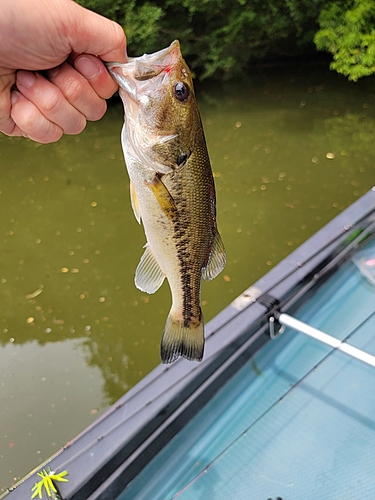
(282, 407)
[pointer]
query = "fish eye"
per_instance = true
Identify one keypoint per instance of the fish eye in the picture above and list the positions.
(181, 91)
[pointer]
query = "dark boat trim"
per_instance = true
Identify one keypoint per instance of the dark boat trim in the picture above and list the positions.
(105, 457)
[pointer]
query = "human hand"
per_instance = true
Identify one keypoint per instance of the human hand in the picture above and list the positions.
(53, 51)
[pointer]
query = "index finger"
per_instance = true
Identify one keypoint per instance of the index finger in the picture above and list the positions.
(96, 73)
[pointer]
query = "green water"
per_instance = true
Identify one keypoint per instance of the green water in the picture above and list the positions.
(290, 149)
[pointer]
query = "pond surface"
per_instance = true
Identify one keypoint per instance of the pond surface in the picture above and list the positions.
(290, 149)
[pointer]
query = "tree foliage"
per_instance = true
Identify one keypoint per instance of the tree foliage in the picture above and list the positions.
(218, 37)
(347, 30)
(222, 37)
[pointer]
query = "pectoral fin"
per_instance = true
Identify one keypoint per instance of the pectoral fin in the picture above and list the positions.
(135, 203)
(163, 197)
(148, 276)
(216, 260)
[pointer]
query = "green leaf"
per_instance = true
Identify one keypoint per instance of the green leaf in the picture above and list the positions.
(347, 31)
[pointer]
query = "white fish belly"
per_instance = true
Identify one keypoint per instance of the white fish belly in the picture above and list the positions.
(159, 230)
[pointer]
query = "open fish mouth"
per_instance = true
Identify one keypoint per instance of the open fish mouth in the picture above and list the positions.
(145, 67)
(141, 80)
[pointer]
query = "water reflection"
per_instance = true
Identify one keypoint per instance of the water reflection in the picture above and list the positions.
(289, 151)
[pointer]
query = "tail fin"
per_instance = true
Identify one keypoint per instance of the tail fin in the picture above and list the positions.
(179, 340)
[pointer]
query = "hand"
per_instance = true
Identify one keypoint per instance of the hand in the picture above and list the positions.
(52, 78)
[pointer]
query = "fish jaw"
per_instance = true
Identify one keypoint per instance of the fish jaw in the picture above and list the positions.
(133, 79)
(142, 68)
(145, 87)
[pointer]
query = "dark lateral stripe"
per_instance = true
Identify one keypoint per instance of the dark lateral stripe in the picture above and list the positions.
(182, 244)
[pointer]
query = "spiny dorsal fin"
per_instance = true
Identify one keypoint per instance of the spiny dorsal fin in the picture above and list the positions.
(216, 260)
(163, 197)
(148, 276)
(135, 203)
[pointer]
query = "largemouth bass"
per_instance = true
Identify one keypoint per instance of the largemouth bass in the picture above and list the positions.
(172, 191)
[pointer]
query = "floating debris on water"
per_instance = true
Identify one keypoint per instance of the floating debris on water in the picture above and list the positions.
(36, 293)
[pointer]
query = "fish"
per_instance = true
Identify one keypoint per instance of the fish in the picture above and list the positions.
(172, 191)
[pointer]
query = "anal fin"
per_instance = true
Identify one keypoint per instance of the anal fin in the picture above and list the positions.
(148, 276)
(217, 259)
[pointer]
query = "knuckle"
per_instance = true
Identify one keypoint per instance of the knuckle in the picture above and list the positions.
(72, 90)
(51, 103)
(26, 120)
(29, 120)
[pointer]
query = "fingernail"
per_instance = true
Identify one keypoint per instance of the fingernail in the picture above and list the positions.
(87, 67)
(14, 97)
(26, 79)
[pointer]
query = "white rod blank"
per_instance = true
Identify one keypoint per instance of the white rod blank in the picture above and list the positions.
(286, 320)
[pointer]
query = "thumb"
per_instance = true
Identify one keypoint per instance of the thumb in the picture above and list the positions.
(90, 33)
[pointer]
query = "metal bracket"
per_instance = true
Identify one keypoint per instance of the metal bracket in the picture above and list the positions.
(275, 328)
